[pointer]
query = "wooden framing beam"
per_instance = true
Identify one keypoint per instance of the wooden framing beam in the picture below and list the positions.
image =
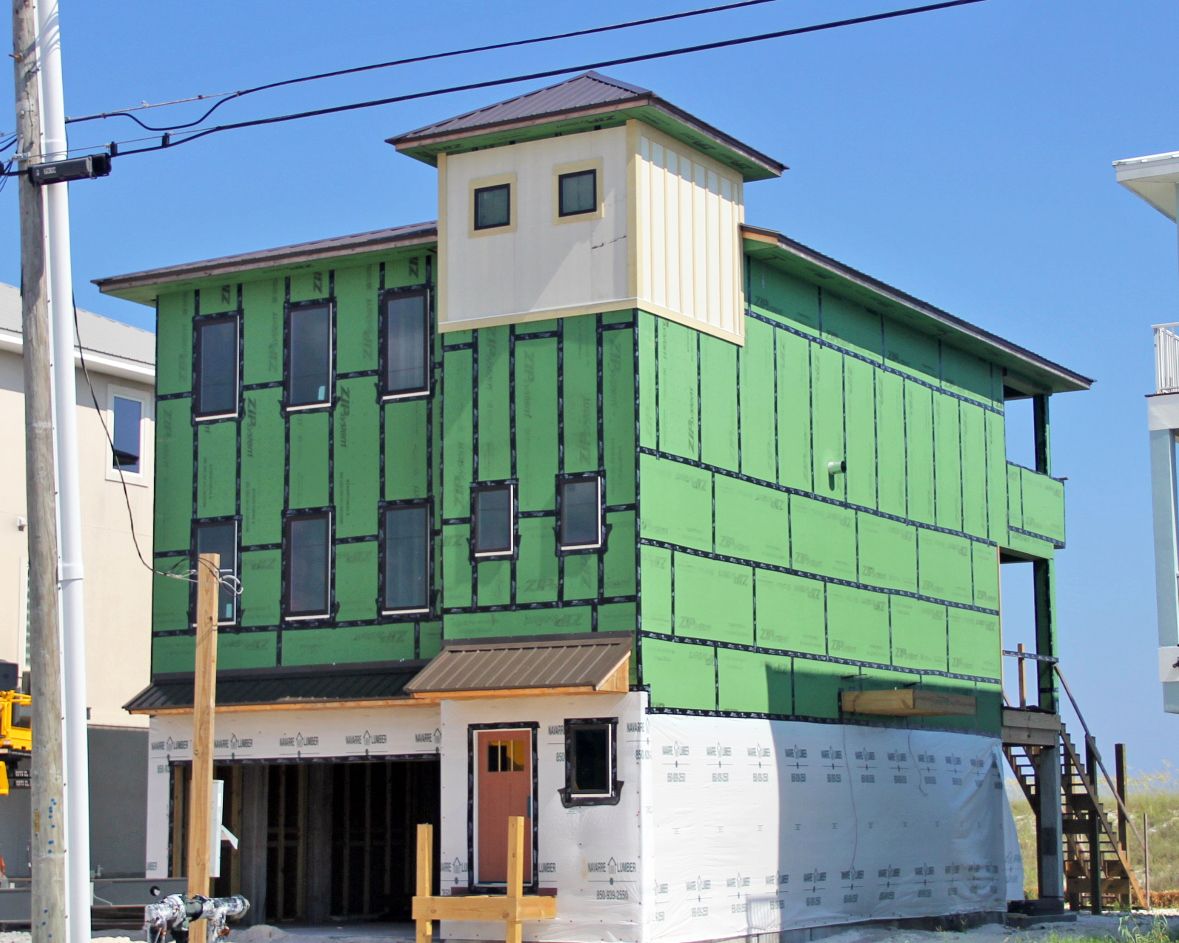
(512, 908)
(907, 702)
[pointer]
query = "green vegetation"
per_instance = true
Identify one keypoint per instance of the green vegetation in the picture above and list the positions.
(1130, 930)
(1156, 795)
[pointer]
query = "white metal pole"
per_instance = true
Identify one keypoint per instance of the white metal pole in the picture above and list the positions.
(61, 315)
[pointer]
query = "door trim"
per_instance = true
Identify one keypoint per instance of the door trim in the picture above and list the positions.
(530, 880)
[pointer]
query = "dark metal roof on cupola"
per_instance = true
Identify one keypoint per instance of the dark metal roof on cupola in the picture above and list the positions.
(583, 103)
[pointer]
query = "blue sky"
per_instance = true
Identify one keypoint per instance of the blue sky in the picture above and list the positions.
(963, 156)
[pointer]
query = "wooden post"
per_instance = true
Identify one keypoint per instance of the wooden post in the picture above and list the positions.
(515, 929)
(1023, 684)
(1146, 857)
(203, 705)
(1097, 905)
(1120, 785)
(425, 878)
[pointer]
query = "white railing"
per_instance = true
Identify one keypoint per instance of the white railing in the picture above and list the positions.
(1166, 357)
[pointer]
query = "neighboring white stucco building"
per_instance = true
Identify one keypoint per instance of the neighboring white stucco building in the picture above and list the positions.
(121, 364)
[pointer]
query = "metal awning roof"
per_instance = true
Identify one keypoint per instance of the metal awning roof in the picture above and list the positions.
(567, 664)
(268, 689)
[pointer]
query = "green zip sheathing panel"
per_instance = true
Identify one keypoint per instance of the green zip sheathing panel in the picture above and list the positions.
(262, 326)
(526, 404)
(174, 343)
(263, 432)
(679, 675)
(356, 457)
(860, 566)
(174, 474)
(266, 461)
(1037, 503)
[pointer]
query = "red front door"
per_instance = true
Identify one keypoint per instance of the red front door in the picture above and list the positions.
(503, 783)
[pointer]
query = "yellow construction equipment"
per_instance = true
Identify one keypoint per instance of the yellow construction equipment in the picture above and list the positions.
(16, 733)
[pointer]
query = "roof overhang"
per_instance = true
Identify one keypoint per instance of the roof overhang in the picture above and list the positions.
(647, 107)
(144, 287)
(1026, 372)
(244, 690)
(1153, 178)
(583, 663)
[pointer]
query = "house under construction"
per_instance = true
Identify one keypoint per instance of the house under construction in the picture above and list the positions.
(594, 504)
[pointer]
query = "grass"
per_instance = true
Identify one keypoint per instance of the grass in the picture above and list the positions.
(1156, 795)
(1128, 931)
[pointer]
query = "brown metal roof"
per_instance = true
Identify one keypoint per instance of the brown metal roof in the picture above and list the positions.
(140, 286)
(252, 687)
(592, 661)
(581, 91)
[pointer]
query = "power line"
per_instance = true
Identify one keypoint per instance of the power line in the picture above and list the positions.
(428, 57)
(168, 142)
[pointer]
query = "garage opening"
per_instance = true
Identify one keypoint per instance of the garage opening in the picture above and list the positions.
(319, 840)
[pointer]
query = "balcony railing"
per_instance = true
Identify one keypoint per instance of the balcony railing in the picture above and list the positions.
(1166, 358)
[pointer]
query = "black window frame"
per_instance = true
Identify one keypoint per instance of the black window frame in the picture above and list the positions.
(504, 553)
(233, 572)
(562, 480)
(386, 391)
(570, 797)
(200, 323)
(417, 612)
(593, 207)
(475, 225)
(307, 615)
(292, 309)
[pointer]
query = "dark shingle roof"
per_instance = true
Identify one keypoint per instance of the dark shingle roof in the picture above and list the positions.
(582, 91)
(247, 687)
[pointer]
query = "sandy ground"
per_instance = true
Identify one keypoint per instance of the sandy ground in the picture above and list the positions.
(1086, 925)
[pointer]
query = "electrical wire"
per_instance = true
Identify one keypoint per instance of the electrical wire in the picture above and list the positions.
(427, 57)
(167, 141)
(228, 582)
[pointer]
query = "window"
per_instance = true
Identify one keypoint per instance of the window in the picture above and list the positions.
(577, 193)
(579, 512)
(493, 206)
(309, 355)
(127, 415)
(407, 559)
(494, 520)
(506, 756)
(406, 348)
(216, 367)
(591, 761)
(221, 537)
(307, 566)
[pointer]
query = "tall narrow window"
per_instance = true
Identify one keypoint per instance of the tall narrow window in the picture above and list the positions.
(577, 193)
(407, 559)
(406, 345)
(127, 433)
(221, 537)
(493, 206)
(494, 520)
(216, 367)
(308, 561)
(309, 356)
(579, 510)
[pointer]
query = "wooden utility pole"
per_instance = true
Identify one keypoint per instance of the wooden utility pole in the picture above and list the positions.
(48, 852)
(204, 703)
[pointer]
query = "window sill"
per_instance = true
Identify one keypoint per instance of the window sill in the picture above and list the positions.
(307, 617)
(138, 479)
(404, 613)
(213, 417)
(398, 397)
(307, 407)
(572, 800)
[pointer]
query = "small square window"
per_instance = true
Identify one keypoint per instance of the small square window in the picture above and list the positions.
(406, 370)
(221, 537)
(308, 566)
(591, 762)
(577, 193)
(216, 367)
(407, 559)
(127, 433)
(579, 513)
(493, 206)
(309, 355)
(494, 520)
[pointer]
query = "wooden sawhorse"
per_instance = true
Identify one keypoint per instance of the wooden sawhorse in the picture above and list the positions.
(512, 908)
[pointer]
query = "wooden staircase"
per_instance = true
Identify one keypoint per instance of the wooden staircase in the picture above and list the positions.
(1090, 839)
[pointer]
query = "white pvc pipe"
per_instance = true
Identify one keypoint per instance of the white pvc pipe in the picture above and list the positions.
(61, 316)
